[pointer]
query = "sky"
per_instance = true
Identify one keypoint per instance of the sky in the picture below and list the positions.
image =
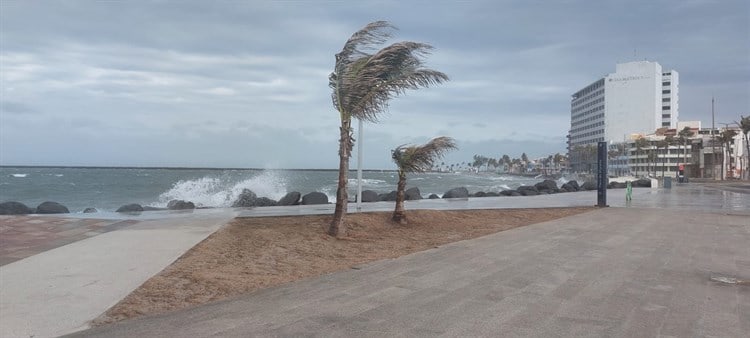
(244, 84)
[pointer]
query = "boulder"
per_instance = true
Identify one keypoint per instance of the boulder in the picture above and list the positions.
(460, 192)
(90, 210)
(14, 208)
(130, 208)
(547, 185)
(51, 208)
(492, 194)
(506, 192)
(150, 208)
(391, 196)
(568, 187)
(246, 199)
(369, 196)
(412, 194)
(267, 202)
(433, 196)
(314, 198)
(574, 184)
(616, 185)
(589, 185)
(527, 190)
(180, 205)
(642, 183)
(479, 194)
(514, 193)
(291, 198)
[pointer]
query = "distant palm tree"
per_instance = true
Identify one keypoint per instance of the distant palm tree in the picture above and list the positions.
(362, 85)
(726, 138)
(640, 144)
(684, 136)
(745, 127)
(412, 158)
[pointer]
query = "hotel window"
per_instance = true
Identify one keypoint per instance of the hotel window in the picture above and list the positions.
(666, 91)
(666, 107)
(667, 83)
(666, 99)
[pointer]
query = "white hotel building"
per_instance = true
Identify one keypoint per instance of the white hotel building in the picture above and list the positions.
(638, 98)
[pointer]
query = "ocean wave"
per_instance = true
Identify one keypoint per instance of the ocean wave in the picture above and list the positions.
(366, 181)
(19, 175)
(223, 191)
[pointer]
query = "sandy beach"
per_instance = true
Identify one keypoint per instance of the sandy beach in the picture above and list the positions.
(249, 254)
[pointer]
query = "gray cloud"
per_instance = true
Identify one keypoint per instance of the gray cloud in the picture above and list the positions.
(244, 84)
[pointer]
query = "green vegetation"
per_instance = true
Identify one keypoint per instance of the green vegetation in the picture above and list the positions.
(413, 158)
(363, 83)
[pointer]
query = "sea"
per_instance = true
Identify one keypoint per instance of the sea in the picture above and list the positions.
(106, 189)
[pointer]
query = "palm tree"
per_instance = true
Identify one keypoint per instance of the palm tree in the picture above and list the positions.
(668, 141)
(745, 127)
(726, 138)
(362, 85)
(410, 159)
(640, 144)
(684, 136)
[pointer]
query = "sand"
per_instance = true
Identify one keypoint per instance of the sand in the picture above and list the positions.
(249, 254)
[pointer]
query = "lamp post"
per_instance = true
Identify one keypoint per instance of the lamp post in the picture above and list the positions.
(359, 167)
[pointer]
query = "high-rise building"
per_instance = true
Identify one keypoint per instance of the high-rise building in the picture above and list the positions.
(637, 98)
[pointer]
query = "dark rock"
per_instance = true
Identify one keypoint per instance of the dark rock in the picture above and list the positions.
(523, 188)
(460, 192)
(568, 187)
(479, 194)
(506, 192)
(130, 208)
(51, 208)
(291, 198)
(433, 196)
(492, 194)
(528, 192)
(547, 185)
(14, 208)
(180, 205)
(267, 202)
(314, 198)
(574, 184)
(149, 208)
(391, 196)
(90, 210)
(514, 193)
(589, 185)
(369, 196)
(642, 183)
(616, 185)
(412, 194)
(245, 200)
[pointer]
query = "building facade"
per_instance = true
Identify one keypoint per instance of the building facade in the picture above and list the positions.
(638, 98)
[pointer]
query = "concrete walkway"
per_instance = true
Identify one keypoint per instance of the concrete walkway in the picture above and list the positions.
(55, 282)
(60, 290)
(615, 272)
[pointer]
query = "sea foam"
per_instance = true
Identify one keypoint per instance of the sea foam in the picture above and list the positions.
(222, 191)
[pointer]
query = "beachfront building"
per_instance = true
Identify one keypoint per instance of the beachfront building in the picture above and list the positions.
(698, 156)
(638, 98)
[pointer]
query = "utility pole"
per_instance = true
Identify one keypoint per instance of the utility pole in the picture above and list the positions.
(713, 139)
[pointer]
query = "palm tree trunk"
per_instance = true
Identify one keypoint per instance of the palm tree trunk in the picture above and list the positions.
(399, 215)
(337, 227)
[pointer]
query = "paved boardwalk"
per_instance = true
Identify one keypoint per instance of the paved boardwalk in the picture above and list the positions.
(59, 272)
(627, 272)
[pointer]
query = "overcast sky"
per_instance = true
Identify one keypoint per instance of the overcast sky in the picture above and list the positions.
(245, 83)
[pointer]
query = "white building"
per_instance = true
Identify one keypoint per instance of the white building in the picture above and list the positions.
(637, 98)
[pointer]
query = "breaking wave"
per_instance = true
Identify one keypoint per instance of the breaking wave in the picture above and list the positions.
(222, 191)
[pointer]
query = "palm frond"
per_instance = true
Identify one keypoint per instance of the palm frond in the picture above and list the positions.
(413, 158)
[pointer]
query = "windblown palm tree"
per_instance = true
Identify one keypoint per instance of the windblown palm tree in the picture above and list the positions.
(412, 158)
(363, 81)
(726, 138)
(745, 127)
(640, 144)
(684, 136)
